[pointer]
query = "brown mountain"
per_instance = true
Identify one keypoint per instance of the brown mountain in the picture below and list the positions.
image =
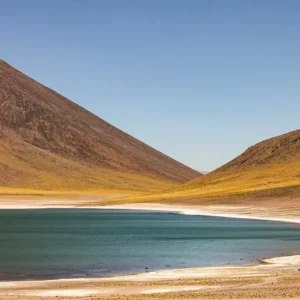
(269, 169)
(279, 149)
(49, 142)
(274, 152)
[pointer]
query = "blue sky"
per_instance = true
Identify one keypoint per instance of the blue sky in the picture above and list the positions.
(198, 80)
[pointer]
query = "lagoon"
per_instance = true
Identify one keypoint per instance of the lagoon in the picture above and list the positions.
(70, 243)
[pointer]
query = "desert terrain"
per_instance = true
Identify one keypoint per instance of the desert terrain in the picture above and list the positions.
(55, 154)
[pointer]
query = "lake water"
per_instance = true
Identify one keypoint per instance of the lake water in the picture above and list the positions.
(61, 243)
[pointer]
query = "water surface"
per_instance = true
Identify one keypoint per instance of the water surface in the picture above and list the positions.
(61, 243)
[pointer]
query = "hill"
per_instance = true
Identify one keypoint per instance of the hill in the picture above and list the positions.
(48, 142)
(266, 170)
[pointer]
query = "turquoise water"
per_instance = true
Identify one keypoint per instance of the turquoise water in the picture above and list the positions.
(61, 243)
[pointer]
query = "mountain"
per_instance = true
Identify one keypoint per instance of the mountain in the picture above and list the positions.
(48, 142)
(276, 150)
(204, 172)
(266, 170)
(271, 164)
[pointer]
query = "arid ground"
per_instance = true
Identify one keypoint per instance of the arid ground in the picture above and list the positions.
(54, 153)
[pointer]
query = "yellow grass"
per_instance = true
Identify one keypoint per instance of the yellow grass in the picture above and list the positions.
(259, 181)
(35, 172)
(39, 173)
(35, 192)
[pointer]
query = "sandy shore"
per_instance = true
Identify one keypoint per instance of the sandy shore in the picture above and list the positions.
(277, 277)
(276, 211)
(228, 211)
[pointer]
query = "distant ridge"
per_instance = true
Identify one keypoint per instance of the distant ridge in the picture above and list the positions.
(49, 142)
(204, 172)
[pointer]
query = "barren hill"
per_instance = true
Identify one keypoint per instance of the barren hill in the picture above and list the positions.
(269, 169)
(283, 150)
(278, 149)
(49, 142)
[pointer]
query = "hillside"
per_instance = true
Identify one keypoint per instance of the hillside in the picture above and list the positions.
(266, 170)
(48, 142)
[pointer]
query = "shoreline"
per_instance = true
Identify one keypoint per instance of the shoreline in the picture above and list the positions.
(203, 210)
(222, 211)
(156, 282)
(284, 260)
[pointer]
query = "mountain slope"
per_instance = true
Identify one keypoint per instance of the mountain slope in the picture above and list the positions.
(268, 169)
(269, 165)
(49, 142)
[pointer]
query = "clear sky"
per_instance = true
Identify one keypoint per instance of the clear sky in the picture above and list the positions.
(199, 80)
